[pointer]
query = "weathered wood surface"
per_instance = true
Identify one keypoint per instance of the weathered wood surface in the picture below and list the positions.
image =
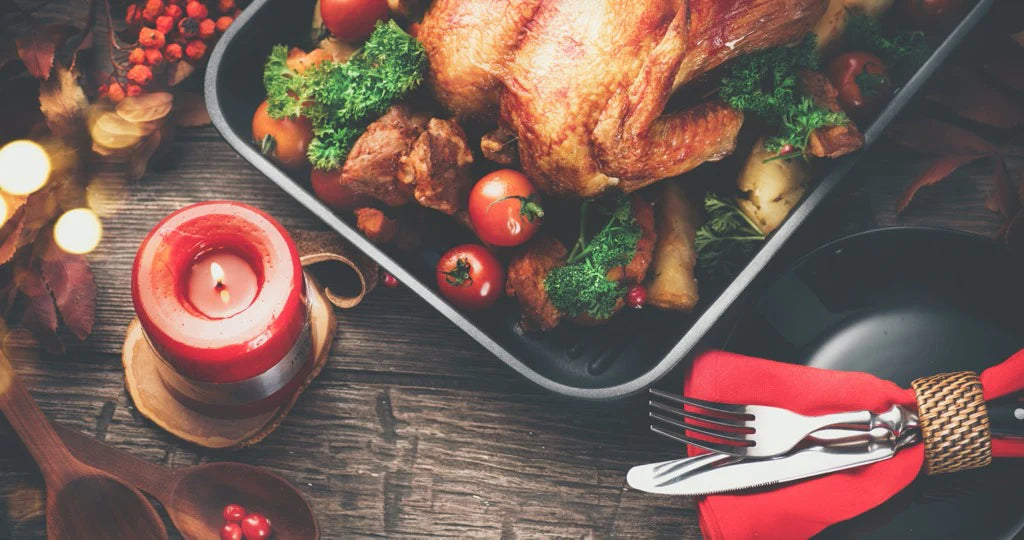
(412, 429)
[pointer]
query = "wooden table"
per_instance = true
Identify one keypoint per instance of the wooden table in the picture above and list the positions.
(412, 429)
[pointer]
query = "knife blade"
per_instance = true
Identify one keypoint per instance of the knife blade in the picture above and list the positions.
(716, 473)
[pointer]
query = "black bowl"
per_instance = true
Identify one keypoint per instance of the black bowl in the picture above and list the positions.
(612, 361)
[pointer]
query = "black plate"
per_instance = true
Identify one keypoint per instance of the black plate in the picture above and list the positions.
(621, 358)
(903, 303)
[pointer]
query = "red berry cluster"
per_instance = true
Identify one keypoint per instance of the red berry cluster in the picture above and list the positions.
(169, 31)
(239, 525)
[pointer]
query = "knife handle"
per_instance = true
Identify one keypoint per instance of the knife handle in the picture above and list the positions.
(1006, 418)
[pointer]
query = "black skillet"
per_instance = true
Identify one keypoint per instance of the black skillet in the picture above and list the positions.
(901, 303)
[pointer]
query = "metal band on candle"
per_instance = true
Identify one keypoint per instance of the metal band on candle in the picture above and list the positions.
(248, 390)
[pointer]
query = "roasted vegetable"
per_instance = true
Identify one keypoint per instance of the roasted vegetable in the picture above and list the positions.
(770, 187)
(832, 24)
(673, 284)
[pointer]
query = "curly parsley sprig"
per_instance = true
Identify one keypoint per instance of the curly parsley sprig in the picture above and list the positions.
(341, 99)
(767, 85)
(582, 286)
(726, 241)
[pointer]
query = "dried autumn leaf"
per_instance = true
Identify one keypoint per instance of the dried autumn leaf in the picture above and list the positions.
(145, 108)
(140, 157)
(10, 236)
(932, 136)
(190, 110)
(62, 102)
(937, 171)
(71, 283)
(1002, 199)
(40, 314)
(36, 50)
(179, 72)
(969, 97)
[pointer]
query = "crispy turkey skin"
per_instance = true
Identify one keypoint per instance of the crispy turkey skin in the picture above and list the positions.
(583, 83)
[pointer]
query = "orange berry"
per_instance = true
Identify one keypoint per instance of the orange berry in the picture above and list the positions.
(188, 27)
(115, 92)
(195, 49)
(133, 89)
(149, 37)
(207, 28)
(225, 5)
(196, 10)
(172, 52)
(140, 75)
(164, 24)
(174, 12)
(152, 10)
(137, 56)
(224, 22)
(154, 57)
(133, 15)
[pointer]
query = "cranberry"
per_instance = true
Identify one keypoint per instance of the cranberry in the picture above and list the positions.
(390, 281)
(234, 513)
(786, 149)
(636, 297)
(231, 531)
(256, 527)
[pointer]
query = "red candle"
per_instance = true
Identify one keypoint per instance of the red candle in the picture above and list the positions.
(220, 293)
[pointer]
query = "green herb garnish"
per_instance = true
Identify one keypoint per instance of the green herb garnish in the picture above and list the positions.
(726, 241)
(582, 286)
(767, 85)
(902, 51)
(341, 99)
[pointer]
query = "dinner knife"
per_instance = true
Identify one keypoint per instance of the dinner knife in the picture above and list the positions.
(718, 473)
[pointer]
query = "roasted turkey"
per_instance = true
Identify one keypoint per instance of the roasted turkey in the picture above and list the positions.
(582, 84)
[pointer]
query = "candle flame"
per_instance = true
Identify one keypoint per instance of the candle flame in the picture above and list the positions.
(218, 275)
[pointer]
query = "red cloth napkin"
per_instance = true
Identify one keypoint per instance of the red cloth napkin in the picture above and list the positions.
(796, 510)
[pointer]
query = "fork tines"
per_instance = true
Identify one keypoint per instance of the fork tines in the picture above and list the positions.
(723, 425)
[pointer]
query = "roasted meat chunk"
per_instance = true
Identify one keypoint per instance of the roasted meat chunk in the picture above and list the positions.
(525, 282)
(438, 167)
(373, 163)
(830, 141)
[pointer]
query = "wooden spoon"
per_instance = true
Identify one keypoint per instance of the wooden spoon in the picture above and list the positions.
(194, 497)
(81, 502)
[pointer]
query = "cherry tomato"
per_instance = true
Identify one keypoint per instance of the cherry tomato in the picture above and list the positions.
(470, 277)
(505, 208)
(231, 531)
(352, 20)
(256, 527)
(233, 513)
(934, 14)
(329, 189)
(285, 141)
(862, 81)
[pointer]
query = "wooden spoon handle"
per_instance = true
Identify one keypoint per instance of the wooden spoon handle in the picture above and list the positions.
(32, 427)
(157, 480)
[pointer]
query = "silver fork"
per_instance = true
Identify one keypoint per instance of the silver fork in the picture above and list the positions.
(758, 431)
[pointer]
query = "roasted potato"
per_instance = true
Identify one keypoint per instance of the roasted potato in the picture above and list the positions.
(672, 283)
(830, 26)
(770, 188)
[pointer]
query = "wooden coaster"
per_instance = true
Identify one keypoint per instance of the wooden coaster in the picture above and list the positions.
(156, 403)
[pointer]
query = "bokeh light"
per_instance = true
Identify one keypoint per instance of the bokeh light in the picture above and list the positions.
(3, 210)
(78, 231)
(24, 167)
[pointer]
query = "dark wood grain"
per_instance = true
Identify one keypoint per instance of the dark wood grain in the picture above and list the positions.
(412, 429)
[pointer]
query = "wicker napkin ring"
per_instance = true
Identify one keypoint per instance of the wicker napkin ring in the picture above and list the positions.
(954, 422)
